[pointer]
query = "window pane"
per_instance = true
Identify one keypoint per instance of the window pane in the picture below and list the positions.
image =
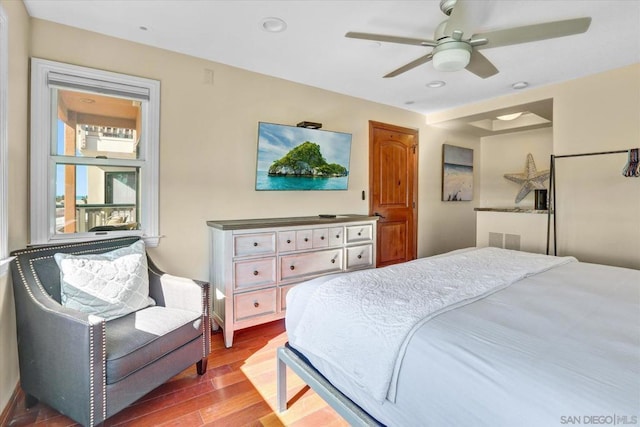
(92, 125)
(97, 198)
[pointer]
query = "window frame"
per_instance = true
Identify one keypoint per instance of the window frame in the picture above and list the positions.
(43, 160)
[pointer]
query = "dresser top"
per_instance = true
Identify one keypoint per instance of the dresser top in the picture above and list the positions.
(241, 224)
(513, 210)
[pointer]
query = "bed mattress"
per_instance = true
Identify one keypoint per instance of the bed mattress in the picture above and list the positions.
(551, 349)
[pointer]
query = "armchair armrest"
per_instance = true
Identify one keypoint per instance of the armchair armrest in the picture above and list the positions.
(186, 294)
(62, 352)
(178, 292)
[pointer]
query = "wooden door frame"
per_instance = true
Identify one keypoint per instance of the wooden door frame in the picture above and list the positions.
(394, 128)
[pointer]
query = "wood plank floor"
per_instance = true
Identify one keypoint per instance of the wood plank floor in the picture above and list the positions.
(239, 389)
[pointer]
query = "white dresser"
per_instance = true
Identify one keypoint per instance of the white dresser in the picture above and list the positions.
(253, 263)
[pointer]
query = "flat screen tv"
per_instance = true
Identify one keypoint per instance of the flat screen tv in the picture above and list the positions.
(297, 158)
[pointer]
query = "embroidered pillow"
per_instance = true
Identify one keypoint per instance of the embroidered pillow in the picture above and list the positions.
(108, 285)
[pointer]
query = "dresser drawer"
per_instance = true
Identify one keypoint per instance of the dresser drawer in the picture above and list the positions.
(297, 266)
(320, 237)
(336, 236)
(253, 304)
(286, 241)
(254, 273)
(254, 244)
(358, 233)
(304, 239)
(359, 256)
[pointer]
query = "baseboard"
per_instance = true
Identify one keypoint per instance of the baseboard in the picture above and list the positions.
(8, 411)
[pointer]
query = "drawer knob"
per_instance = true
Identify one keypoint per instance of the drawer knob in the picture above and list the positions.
(306, 239)
(292, 268)
(321, 237)
(255, 243)
(255, 272)
(359, 233)
(288, 240)
(360, 256)
(333, 261)
(256, 304)
(337, 236)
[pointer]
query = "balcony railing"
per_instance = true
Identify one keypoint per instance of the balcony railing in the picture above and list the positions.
(89, 216)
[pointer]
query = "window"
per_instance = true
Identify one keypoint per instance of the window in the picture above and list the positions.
(94, 154)
(4, 149)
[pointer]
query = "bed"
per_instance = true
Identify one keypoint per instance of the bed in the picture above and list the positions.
(473, 337)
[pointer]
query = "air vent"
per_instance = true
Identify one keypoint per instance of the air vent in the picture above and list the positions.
(512, 241)
(496, 239)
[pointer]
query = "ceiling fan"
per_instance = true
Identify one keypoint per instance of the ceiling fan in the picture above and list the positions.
(456, 46)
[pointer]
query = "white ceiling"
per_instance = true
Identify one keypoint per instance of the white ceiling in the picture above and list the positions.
(314, 51)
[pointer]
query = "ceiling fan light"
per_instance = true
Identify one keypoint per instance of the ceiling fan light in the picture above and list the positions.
(452, 58)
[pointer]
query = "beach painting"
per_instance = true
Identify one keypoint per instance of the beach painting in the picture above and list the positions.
(457, 173)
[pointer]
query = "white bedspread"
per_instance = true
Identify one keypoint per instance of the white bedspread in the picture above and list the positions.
(360, 323)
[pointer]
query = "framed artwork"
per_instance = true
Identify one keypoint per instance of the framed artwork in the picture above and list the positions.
(457, 173)
(297, 158)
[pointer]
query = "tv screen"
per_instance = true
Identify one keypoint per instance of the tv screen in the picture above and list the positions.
(297, 158)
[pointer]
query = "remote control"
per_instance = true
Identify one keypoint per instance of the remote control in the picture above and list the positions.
(326, 216)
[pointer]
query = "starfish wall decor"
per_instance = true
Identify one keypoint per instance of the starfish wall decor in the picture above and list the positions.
(531, 179)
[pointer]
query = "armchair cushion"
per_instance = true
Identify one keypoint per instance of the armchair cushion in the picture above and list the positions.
(109, 285)
(141, 338)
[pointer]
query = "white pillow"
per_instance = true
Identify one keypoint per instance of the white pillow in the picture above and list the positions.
(108, 285)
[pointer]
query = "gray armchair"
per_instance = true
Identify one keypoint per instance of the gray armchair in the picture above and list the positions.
(88, 368)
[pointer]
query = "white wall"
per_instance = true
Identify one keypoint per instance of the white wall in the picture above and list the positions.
(507, 153)
(528, 229)
(599, 210)
(445, 226)
(209, 145)
(18, 23)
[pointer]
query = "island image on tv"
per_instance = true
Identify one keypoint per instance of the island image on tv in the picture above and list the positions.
(293, 158)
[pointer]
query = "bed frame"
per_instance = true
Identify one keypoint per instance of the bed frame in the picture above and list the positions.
(289, 357)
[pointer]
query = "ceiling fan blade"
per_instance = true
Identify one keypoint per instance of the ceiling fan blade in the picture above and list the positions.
(391, 39)
(410, 65)
(481, 66)
(530, 33)
(465, 17)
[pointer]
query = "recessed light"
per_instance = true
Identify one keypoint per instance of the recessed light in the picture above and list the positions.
(520, 85)
(409, 102)
(436, 84)
(508, 117)
(273, 25)
(143, 28)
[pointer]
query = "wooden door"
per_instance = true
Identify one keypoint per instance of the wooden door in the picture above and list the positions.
(393, 185)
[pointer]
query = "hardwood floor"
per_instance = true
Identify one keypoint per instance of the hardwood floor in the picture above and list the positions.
(239, 389)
